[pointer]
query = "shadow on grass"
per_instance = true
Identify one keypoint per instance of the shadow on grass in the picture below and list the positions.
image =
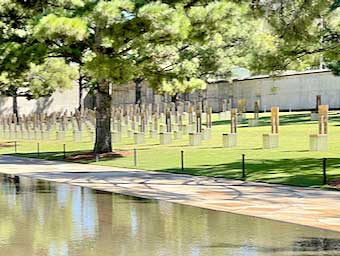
(59, 155)
(284, 120)
(334, 117)
(304, 172)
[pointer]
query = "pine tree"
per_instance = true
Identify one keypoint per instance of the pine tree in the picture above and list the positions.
(174, 45)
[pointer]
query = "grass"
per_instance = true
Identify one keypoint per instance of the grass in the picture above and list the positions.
(292, 163)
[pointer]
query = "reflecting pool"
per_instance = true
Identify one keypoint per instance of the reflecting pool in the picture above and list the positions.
(44, 218)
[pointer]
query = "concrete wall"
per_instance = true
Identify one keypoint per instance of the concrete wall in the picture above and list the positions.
(296, 91)
(59, 101)
(125, 94)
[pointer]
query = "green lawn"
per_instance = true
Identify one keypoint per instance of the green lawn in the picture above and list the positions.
(291, 163)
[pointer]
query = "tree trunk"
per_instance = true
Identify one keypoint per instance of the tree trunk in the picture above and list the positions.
(80, 83)
(15, 106)
(103, 119)
(174, 98)
(138, 89)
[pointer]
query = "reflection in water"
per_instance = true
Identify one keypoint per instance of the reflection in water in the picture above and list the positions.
(317, 244)
(43, 218)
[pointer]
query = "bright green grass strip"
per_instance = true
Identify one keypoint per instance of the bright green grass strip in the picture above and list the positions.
(292, 163)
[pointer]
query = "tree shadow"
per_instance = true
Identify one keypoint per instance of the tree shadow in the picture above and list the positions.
(59, 155)
(24, 160)
(4, 109)
(334, 117)
(297, 172)
(285, 119)
(293, 119)
(43, 104)
(306, 172)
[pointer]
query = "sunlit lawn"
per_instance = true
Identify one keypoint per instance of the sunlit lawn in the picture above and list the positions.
(292, 163)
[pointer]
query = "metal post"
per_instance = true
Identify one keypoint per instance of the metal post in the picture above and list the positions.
(38, 149)
(97, 157)
(135, 156)
(324, 174)
(243, 167)
(182, 160)
(64, 149)
(15, 147)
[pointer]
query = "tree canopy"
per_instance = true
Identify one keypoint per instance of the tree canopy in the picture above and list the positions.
(303, 34)
(174, 45)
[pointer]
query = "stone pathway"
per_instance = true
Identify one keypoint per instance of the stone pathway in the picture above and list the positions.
(306, 206)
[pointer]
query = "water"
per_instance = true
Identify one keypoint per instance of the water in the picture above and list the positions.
(43, 218)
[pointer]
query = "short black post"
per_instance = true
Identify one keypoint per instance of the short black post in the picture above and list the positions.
(135, 156)
(15, 147)
(243, 167)
(38, 149)
(182, 160)
(324, 174)
(64, 149)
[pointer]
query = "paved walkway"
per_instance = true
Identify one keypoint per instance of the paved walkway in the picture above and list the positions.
(311, 207)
